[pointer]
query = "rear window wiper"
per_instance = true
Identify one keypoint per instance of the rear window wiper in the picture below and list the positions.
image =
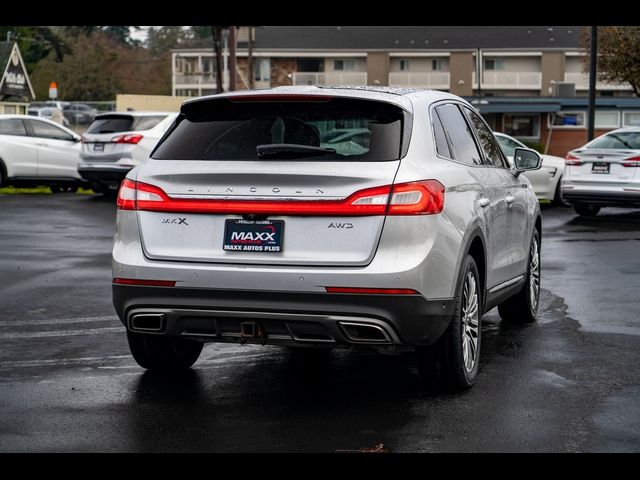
(291, 150)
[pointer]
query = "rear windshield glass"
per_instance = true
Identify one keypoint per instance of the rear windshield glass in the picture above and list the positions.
(622, 140)
(358, 130)
(124, 123)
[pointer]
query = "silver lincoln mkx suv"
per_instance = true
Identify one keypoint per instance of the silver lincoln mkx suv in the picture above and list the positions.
(322, 217)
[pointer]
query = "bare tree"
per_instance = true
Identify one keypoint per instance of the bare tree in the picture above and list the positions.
(618, 54)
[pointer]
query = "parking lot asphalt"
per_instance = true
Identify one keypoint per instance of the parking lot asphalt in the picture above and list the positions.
(567, 383)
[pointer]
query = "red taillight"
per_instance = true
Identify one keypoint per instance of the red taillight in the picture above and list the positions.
(372, 291)
(127, 195)
(414, 198)
(133, 138)
(151, 283)
(631, 162)
(572, 160)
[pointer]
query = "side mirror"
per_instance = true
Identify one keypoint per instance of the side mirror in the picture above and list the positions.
(77, 139)
(525, 159)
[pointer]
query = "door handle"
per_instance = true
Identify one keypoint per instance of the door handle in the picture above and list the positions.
(510, 199)
(483, 202)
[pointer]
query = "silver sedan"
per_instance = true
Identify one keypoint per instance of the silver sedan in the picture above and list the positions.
(604, 172)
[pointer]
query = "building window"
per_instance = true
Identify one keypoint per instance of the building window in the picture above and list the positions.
(631, 119)
(344, 65)
(437, 65)
(493, 64)
(10, 109)
(607, 120)
(262, 70)
(568, 120)
(404, 65)
(522, 125)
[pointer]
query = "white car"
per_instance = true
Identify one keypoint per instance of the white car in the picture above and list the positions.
(604, 173)
(37, 151)
(118, 141)
(546, 181)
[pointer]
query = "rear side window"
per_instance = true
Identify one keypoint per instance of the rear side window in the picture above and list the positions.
(357, 130)
(622, 140)
(12, 126)
(442, 146)
(456, 128)
(147, 122)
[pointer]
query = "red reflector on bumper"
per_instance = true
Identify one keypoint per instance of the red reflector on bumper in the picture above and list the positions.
(152, 283)
(373, 291)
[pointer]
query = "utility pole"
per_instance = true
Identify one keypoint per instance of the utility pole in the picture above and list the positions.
(592, 82)
(252, 77)
(232, 58)
(479, 75)
(215, 35)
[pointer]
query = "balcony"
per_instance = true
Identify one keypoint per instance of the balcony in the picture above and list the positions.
(505, 80)
(193, 80)
(582, 82)
(434, 80)
(330, 78)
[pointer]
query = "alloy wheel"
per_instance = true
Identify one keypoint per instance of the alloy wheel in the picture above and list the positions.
(470, 322)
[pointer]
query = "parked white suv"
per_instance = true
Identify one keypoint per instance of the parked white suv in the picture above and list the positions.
(116, 142)
(36, 151)
(322, 217)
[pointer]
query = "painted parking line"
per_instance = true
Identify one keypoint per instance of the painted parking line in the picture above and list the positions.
(87, 361)
(62, 361)
(60, 333)
(57, 321)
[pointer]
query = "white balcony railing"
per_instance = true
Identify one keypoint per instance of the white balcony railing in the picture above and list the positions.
(582, 82)
(330, 78)
(435, 80)
(510, 80)
(194, 79)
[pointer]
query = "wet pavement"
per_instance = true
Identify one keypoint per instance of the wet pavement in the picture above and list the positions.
(567, 383)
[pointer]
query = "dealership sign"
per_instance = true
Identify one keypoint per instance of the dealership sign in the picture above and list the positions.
(15, 81)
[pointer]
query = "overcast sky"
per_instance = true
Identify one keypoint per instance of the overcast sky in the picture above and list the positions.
(139, 34)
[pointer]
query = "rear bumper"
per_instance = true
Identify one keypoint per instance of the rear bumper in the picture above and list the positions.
(288, 318)
(618, 198)
(109, 173)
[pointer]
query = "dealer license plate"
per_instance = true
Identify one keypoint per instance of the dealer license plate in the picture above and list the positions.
(253, 235)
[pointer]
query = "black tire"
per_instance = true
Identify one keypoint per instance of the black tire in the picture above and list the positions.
(557, 197)
(445, 363)
(163, 354)
(523, 307)
(586, 209)
(100, 188)
(63, 189)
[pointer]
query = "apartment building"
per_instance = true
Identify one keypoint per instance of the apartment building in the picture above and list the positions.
(481, 63)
